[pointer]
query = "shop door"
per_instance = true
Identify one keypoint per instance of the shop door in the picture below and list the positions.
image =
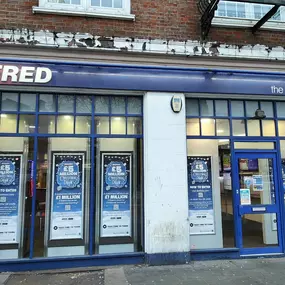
(257, 203)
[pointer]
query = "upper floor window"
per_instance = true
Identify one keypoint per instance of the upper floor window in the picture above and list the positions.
(76, 2)
(231, 9)
(120, 9)
(107, 3)
(239, 13)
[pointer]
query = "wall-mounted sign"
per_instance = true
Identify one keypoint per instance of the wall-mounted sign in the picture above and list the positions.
(200, 195)
(116, 192)
(176, 104)
(67, 206)
(60, 74)
(10, 196)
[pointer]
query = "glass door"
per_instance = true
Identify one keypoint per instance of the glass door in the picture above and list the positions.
(258, 213)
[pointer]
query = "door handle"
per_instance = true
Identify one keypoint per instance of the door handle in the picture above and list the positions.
(258, 209)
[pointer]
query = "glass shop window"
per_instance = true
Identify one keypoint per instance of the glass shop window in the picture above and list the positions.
(210, 195)
(16, 193)
(282, 150)
(119, 201)
(62, 187)
(65, 175)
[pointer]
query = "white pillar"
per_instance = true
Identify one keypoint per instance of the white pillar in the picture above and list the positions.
(165, 172)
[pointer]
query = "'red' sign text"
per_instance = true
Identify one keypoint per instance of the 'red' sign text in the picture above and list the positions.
(24, 74)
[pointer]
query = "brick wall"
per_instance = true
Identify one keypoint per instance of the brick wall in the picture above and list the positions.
(155, 19)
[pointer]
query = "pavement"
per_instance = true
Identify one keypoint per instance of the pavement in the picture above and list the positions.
(222, 272)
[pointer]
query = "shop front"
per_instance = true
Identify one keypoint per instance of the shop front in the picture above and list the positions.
(236, 199)
(70, 173)
(104, 164)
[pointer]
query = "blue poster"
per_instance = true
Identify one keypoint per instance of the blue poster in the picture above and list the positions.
(116, 195)
(67, 196)
(200, 195)
(257, 182)
(10, 190)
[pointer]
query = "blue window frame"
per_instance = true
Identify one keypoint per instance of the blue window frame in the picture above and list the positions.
(234, 118)
(41, 115)
(231, 120)
(33, 113)
(260, 207)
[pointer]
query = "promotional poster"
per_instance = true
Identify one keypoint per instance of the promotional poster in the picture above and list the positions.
(200, 193)
(226, 162)
(67, 196)
(227, 181)
(116, 194)
(10, 193)
(257, 184)
(245, 198)
(248, 164)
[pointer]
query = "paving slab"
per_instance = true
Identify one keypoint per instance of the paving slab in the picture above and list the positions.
(224, 272)
(221, 272)
(85, 278)
(4, 278)
(115, 276)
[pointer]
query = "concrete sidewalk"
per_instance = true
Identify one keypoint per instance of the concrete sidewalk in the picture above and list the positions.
(229, 272)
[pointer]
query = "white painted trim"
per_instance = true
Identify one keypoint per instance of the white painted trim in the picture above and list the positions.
(246, 23)
(154, 47)
(83, 13)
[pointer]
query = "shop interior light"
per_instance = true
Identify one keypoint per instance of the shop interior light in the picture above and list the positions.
(207, 120)
(3, 116)
(67, 117)
(220, 131)
(32, 127)
(117, 118)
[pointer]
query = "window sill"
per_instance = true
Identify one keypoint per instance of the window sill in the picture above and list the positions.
(41, 10)
(244, 23)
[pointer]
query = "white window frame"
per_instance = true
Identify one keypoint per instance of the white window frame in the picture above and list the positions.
(125, 9)
(61, 7)
(85, 9)
(249, 20)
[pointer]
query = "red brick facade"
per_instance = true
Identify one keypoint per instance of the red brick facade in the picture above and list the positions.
(155, 19)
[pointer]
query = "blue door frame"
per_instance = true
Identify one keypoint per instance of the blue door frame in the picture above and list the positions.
(248, 209)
